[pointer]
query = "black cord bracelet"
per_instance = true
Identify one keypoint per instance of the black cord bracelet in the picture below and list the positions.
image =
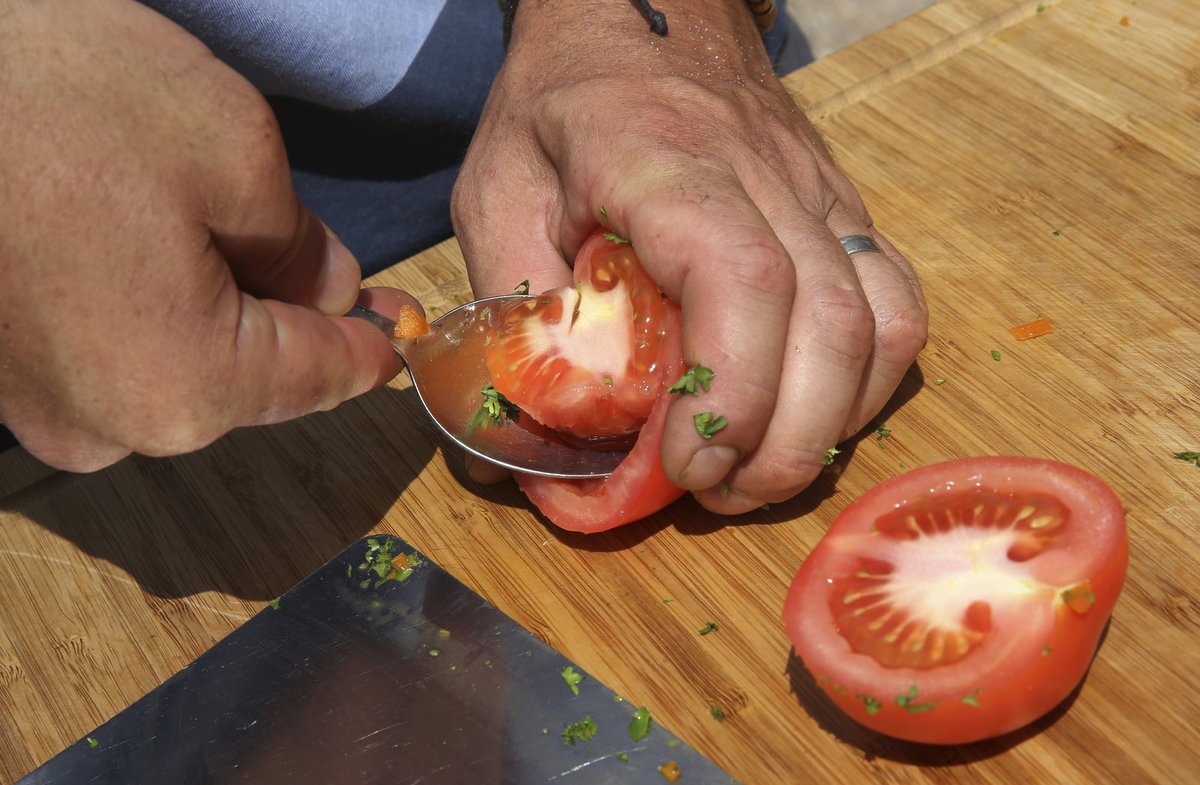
(764, 12)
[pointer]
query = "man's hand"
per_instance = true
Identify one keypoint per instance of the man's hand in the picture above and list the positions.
(689, 146)
(160, 283)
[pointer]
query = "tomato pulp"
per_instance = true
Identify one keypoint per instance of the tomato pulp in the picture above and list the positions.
(963, 600)
(594, 361)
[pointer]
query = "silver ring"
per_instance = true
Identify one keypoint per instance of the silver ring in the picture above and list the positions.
(859, 243)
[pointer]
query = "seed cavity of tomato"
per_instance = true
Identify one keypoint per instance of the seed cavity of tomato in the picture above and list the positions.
(891, 610)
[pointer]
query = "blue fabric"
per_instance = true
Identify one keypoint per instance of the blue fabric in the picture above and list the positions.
(342, 54)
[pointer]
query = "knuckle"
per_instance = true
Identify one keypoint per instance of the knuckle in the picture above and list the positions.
(845, 323)
(902, 334)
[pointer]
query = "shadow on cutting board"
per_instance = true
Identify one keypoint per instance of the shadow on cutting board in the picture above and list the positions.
(299, 491)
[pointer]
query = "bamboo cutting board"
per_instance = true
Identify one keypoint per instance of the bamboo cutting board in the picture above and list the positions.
(1032, 159)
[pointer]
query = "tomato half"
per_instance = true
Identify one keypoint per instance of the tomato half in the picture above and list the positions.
(595, 360)
(961, 600)
(586, 359)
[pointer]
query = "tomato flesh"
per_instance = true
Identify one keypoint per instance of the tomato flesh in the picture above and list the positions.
(594, 361)
(962, 600)
(585, 359)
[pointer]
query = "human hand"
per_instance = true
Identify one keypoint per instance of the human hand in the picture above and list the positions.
(689, 146)
(160, 283)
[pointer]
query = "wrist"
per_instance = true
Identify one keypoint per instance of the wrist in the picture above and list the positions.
(703, 34)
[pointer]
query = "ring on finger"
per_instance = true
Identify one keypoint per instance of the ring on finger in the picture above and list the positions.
(859, 243)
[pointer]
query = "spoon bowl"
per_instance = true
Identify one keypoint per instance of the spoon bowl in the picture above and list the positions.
(449, 373)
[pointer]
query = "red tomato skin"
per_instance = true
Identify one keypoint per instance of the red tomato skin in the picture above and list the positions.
(638, 487)
(1000, 706)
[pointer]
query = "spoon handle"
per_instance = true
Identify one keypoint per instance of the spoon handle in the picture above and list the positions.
(384, 325)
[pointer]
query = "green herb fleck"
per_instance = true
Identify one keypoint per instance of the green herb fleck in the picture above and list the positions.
(92, 742)
(274, 604)
(716, 713)
(572, 677)
(623, 757)
(1041, 7)
(580, 730)
(639, 726)
(939, 382)
(380, 560)
(996, 355)
(873, 706)
(1188, 456)
(707, 424)
(882, 432)
(725, 490)
(495, 408)
(972, 700)
(668, 601)
(603, 214)
(907, 701)
(613, 237)
(830, 454)
(607, 380)
(435, 652)
(1046, 651)
(710, 627)
(522, 287)
(696, 378)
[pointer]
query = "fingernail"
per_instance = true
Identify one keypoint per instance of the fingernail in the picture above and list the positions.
(709, 466)
(337, 283)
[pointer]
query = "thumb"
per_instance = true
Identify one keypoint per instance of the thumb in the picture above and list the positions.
(293, 257)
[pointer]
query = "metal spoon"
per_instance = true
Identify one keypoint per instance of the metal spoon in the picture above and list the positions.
(449, 373)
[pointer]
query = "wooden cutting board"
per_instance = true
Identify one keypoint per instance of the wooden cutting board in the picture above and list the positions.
(1032, 159)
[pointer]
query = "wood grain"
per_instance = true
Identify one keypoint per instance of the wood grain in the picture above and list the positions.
(1029, 163)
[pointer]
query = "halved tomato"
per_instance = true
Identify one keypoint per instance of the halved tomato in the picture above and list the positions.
(961, 600)
(595, 360)
(587, 359)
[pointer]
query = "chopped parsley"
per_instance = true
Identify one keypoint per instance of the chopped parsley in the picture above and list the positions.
(639, 726)
(873, 706)
(996, 355)
(907, 701)
(572, 677)
(495, 408)
(274, 604)
(1189, 456)
(92, 742)
(716, 713)
(522, 287)
(623, 757)
(707, 424)
(696, 378)
(380, 560)
(882, 432)
(710, 627)
(603, 214)
(580, 730)
(613, 237)
(972, 700)
(829, 456)
(939, 382)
